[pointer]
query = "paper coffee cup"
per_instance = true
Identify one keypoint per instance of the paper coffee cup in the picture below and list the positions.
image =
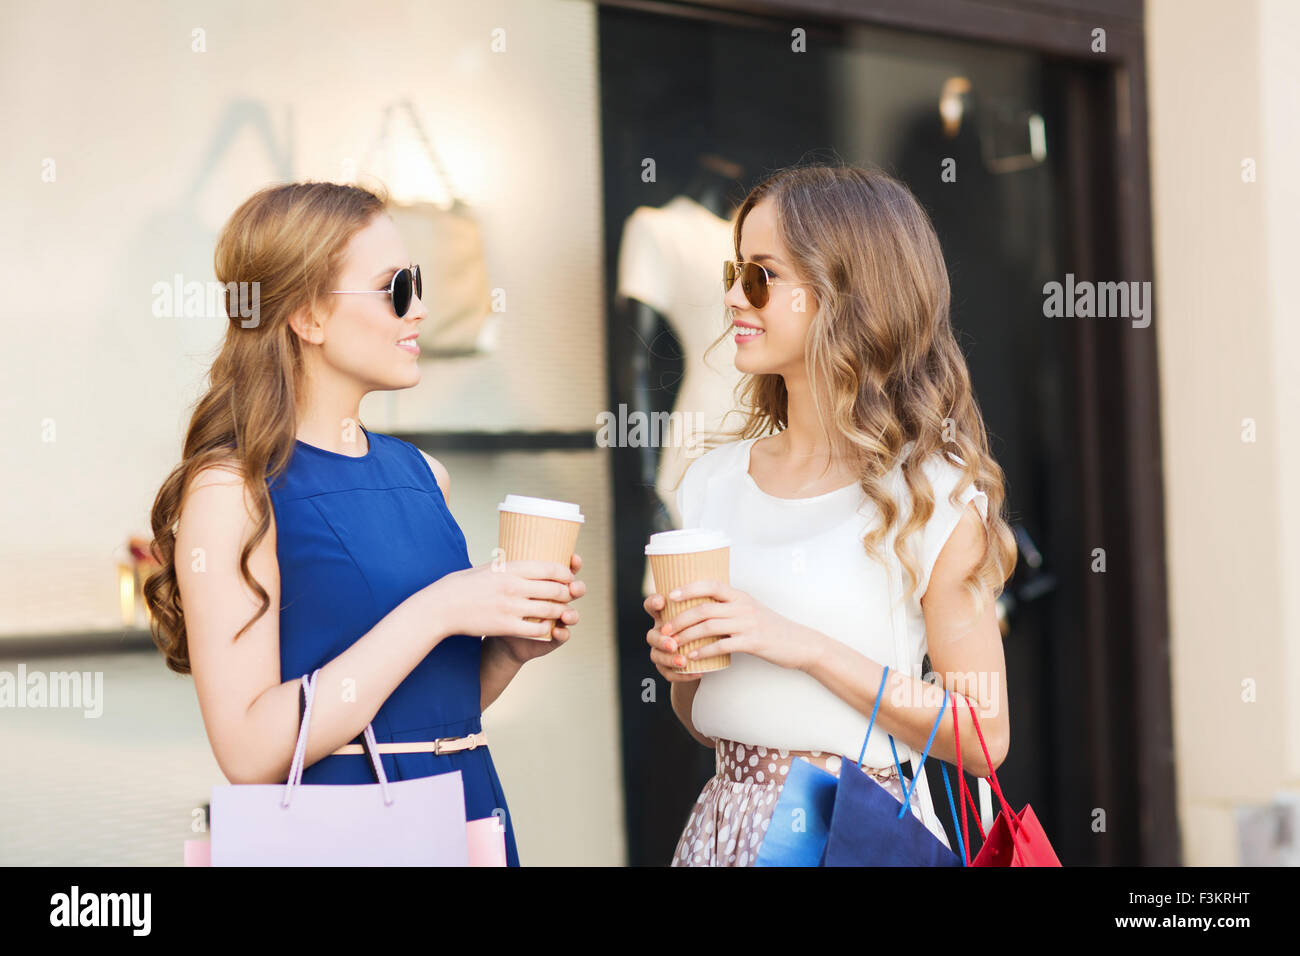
(678, 558)
(538, 529)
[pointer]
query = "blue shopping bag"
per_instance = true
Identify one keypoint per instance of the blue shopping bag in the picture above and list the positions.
(868, 827)
(796, 833)
(871, 828)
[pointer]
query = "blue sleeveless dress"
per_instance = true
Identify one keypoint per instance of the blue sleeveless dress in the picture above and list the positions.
(355, 537)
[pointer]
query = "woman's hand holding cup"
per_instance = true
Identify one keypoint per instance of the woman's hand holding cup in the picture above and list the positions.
(664, 653)
(526, 647)
(678, 558)
(494, 599)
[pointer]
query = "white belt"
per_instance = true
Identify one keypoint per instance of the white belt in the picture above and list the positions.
(443, 745)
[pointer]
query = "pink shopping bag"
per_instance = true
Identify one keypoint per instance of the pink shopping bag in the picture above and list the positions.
(198, 852)
(486, 839)
(487, 842)
(418, 822)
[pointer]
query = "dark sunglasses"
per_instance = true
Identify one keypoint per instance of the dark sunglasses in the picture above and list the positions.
(404, 281)
(754, 281)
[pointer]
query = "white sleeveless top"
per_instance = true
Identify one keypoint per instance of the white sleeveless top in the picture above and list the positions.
(803, 558)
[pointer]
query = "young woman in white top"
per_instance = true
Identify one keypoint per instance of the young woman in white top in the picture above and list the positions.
(863, 508)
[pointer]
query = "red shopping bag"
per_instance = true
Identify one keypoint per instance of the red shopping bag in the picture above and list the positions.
(1015, 839)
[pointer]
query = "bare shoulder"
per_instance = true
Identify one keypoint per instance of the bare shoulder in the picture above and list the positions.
(216, 500)
(961, 553)
(440, 473)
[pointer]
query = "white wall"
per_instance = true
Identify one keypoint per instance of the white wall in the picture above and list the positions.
(1280, 88)
(1223, 88)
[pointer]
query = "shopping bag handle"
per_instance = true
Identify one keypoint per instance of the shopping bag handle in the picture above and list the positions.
(963, 832)
(947, 787)
(907, 790)
(880, 692)
(1014, 822)
(297, 766)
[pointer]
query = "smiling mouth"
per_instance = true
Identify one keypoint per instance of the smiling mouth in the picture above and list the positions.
(744, 332)
(409, 345)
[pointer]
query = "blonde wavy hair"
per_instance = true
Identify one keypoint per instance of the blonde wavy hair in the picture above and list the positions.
(290, 238)
(881, 359)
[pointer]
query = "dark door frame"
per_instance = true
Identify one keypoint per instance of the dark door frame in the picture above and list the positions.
(1128, 766)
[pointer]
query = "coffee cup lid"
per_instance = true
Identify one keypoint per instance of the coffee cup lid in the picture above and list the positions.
(542, 508)
(687, 541)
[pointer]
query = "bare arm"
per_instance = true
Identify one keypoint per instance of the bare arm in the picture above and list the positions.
(497, 665)
(503, 656)
(250, 716)
(440, 475)
(683, 698)
(496, 669)
(967, 656)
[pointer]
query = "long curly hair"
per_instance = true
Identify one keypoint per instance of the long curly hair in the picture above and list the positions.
(881, 360)
(290, 239)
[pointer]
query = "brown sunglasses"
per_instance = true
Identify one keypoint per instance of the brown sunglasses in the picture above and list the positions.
(754, 281)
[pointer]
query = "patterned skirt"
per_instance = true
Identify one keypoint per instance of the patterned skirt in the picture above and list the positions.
(728, 821)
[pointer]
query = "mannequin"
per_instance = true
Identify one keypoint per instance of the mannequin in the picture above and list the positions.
(670, 266)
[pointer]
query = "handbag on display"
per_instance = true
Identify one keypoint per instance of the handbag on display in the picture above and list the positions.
(446, 242)
(419, 822)
(1014, 839)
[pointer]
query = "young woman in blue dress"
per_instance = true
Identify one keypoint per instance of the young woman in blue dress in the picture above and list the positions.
(292, 538)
